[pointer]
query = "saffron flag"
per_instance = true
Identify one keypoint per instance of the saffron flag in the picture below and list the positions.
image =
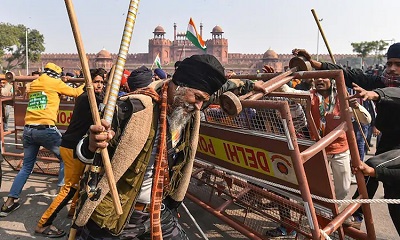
(157, 61)
(194, 37)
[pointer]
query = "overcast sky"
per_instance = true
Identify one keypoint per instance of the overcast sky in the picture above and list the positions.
(251, 26)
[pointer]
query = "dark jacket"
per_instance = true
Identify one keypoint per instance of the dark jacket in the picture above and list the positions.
(80, 121)
(388, 118)
(387, 166)
(357, 76)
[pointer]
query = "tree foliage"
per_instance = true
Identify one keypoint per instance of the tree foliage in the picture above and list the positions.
(366, 48)
(13, 45)
(380, 48)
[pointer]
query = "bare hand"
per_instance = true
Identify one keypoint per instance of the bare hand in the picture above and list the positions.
(354, 103)
(375, 131)
(268, 69)
(364, 94)
(302, 53)
(365, 169)
(100, 135)
(230, 74)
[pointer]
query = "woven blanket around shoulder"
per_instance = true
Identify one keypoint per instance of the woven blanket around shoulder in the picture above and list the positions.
(136, 130)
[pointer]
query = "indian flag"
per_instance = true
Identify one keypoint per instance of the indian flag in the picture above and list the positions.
(157, 61)
(194, 37)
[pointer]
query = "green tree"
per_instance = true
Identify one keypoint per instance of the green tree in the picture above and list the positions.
(8, 38)
(13, 45)
(366, 48)
(379, 49)
(363, 49)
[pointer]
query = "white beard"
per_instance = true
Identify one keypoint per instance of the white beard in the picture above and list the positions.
(178, 118)
(181, 111)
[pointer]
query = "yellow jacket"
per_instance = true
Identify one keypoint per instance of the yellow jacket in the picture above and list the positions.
(44, 99)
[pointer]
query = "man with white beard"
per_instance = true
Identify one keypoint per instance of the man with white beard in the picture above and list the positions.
(156, 135)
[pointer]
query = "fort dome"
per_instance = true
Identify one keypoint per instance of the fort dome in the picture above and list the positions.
(270, 54)
(159, 30)
(103, 54)
(217, 29)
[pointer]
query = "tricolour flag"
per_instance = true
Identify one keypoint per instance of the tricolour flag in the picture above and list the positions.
(157, 61)
(194, 37)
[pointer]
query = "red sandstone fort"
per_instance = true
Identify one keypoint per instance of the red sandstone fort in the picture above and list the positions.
(171, 51)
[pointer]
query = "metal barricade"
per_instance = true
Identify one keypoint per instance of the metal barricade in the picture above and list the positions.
(268, 165)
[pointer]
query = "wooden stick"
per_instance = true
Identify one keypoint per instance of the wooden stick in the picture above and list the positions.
(92, 102)
(109, 82)
(323, 35)
(361, 130)
(72, 234)
(183, 46)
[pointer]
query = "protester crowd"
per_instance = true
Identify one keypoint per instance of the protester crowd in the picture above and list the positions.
(160, 114)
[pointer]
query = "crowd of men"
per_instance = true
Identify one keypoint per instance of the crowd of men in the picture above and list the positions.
(153, 137)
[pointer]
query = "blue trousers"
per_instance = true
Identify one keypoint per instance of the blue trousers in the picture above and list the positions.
(359, 138)
(50, 138)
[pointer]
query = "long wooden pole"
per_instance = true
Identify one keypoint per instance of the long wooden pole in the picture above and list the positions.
(323, 35)
(183, 47)
(92, 102)
(109, 82)
(361, 130)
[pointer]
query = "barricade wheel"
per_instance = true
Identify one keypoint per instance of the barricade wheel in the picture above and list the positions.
(230, 103)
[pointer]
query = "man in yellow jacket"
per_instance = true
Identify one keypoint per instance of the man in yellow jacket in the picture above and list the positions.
(40, 129)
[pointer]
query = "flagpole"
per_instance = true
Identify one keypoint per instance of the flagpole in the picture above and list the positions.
(157, 57)
(180, 55)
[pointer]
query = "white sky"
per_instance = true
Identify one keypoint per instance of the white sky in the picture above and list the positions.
(251, 26)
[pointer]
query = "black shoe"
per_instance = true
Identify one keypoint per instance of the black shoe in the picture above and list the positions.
(280, 232)
(5, 211)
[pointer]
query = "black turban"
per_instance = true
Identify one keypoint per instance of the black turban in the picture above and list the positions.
(202, 72)
(139, 78)
(394, 51)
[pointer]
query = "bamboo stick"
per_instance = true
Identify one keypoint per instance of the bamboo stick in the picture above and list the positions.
(123, 52)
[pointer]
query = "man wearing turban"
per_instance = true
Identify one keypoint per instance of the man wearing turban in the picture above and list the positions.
(159, 74)
(139, 78)
(157, 124)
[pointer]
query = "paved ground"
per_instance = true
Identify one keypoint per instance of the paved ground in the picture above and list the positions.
(21, 223)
